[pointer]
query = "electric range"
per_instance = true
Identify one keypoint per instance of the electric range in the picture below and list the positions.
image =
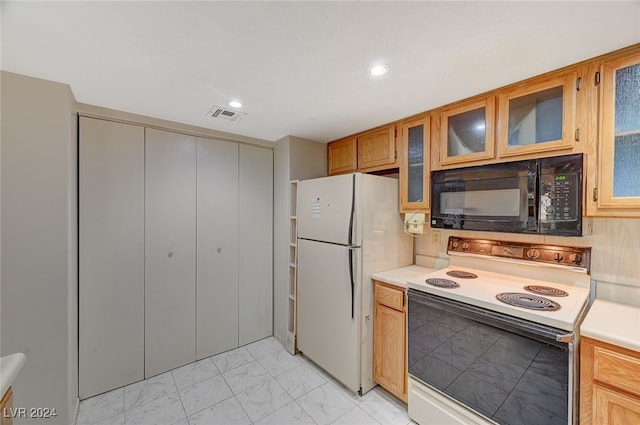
(493, 337)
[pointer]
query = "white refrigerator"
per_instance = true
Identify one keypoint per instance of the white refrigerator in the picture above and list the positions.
(349, 226)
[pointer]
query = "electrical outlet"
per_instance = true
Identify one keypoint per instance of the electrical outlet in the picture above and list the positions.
(435, 236)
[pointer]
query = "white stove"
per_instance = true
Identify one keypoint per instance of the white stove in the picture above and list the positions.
(482, 290)
(475, 357)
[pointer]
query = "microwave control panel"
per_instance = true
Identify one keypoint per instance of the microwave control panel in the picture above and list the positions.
(559, 197)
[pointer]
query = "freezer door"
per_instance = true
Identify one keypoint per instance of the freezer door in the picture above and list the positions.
(324, 209)
(327, 333)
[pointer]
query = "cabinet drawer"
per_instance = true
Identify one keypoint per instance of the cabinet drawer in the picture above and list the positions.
(392, 298)
(617, 369)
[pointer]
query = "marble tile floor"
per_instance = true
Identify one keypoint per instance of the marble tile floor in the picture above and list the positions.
(260, 383)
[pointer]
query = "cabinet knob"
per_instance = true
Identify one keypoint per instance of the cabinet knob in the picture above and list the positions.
(171, 254)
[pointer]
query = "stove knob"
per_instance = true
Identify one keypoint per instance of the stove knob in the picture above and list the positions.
(533, 253)
(454, 244)
(575, 258)
(558, 257)
(465, 246)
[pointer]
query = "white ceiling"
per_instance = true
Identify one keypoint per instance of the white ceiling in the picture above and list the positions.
(300, 67)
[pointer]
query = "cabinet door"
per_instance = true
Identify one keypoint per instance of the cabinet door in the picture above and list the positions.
(389, 358)
(342, 156)
(377, 148)
(467, 131)
(538, 117)
(6, 406)
(614, 408)
(620, 134)
(170, 257)
(414, 165)
(217, 247)
(111, 251)
(255, 243)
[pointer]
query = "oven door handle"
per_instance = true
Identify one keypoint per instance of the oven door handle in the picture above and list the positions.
(566, 338)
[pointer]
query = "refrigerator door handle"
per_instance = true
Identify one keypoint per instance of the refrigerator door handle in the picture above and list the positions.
(353, 210)
(350, 241)
(353, 282)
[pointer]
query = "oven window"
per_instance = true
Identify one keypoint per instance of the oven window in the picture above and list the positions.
(504, 376)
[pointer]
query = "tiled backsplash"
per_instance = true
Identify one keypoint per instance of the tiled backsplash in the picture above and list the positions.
(615, 253)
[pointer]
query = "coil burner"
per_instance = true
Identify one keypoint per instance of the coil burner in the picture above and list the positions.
(442, 283)
(462, 274)
(546, 290)
(531, 302)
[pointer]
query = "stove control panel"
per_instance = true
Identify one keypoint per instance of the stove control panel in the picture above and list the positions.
(573, 257)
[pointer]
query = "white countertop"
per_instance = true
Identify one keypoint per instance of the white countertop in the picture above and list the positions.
(401, 275)
(615, 323)
(10, 366)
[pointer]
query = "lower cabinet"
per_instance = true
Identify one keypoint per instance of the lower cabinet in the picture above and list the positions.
(609, 384)
(6, 406)
(389, 339)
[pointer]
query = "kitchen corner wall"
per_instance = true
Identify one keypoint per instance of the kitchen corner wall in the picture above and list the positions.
(38, 308)
(294, 159)
(615, 254)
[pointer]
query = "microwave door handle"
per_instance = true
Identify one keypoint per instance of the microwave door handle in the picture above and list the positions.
(533, 184)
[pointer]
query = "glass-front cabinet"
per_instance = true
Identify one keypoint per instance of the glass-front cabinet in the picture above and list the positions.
(620, 133)
(536, 117)
(414, 166)
(467, 131)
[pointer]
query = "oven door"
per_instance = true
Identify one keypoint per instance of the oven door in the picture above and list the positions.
(508, 370)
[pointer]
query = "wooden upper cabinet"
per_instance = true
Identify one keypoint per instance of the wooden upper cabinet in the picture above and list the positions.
(467, 131)
(342, 156)
(537, 116)
(377, 148)
(620, 134)
(372, 150)
(414, 164)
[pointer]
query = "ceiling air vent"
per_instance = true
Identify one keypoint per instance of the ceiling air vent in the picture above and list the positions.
(220, 113)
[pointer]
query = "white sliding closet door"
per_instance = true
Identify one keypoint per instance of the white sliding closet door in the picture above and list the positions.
(170, 251)
(256, 243)
(111, 247)
(217, 268)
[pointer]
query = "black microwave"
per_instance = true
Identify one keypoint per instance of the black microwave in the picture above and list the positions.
(538, 196)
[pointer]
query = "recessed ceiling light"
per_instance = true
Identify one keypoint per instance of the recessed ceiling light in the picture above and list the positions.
(378, 70)
(235, 104)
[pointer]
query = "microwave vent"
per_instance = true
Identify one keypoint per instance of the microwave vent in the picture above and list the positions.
(221, 113)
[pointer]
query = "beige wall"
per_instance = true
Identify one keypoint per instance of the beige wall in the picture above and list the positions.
(615, 254)
(38, 267)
